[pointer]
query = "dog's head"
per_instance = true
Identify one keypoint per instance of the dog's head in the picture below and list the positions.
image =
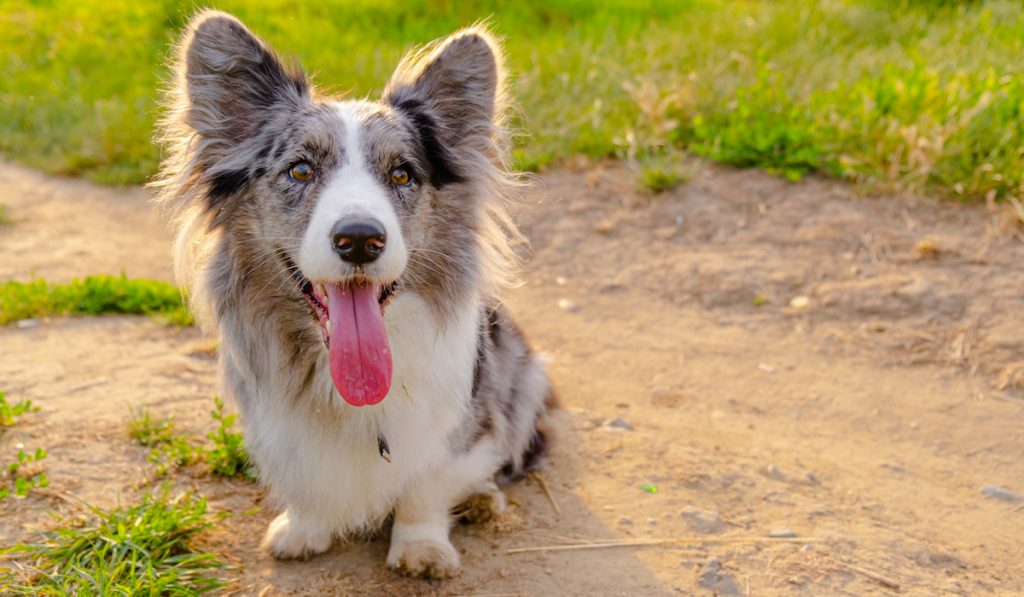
(352, 201)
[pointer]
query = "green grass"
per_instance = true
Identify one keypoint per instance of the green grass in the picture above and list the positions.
(24, 474)
(897, 94)
(9, 413)
(170, 450)
(227, 458)
(92, 295)
(143, 549)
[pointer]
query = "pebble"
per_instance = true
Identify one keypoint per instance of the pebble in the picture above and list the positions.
(773, 472)
(716, 579)
(706, 522)
(766, 368)
(561, 281)
(620, 423)
(800, 302)
(782, 534)
(626, 521)
(999, 493)
(568, 306)
(27, 323)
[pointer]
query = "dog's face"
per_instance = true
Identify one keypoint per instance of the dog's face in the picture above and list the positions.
(354, 200)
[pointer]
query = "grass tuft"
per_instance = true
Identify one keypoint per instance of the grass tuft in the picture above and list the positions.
(92, 295)
(24, 474)
(170, 450)
(227, 458)
(143, 549)
(9, 413)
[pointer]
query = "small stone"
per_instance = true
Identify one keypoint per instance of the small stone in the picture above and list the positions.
(561, 281)
(620, 423)
(626, 521)
(782, 534)
(766, 368)
(773, 472)
(604, 226)
(1000, 493)
(652, 521)
(706, 522)
(568, 306)
(27, 323)
(811, 477)
(608, 287)
(800, 302)
(716, 579)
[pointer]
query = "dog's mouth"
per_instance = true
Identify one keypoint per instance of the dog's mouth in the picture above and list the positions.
(351, 318)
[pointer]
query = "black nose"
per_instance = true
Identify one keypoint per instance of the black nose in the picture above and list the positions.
(358, 241)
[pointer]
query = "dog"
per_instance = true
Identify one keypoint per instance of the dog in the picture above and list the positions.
(350, 255)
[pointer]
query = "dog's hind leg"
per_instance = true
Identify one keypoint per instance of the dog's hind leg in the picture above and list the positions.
(419, 538)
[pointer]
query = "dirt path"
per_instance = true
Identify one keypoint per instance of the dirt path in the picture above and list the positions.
(865, 422)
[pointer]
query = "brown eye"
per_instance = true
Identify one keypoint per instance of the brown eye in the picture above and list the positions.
(302, 172)
(400, 177)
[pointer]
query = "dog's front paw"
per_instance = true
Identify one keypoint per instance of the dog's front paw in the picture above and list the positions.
(289, 537)
(424, 558)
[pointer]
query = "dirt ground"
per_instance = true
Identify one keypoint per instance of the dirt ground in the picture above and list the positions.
(775, 358)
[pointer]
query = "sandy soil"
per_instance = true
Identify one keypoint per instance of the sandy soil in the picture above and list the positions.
(864, 418)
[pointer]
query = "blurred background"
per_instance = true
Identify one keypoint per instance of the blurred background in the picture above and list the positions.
(910, 94)
(776, 259)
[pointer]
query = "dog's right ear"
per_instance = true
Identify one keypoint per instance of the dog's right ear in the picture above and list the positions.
(232, 79)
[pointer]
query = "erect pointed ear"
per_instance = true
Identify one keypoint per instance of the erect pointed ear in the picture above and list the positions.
(453, 93)
(232, 79)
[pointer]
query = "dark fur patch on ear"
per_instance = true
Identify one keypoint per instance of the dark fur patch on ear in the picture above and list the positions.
(452, 93)
(226, 184)
(437, 156)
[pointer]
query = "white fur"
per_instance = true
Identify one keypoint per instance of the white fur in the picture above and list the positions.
(353, 191)
(323, 463)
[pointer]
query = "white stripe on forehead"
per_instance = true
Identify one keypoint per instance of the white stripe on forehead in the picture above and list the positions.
(353, 122)
(353, 190)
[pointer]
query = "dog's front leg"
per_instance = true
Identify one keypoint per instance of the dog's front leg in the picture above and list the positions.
(419, 537)
(293, 535)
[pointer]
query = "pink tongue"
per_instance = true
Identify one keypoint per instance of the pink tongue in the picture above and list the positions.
(359, 350)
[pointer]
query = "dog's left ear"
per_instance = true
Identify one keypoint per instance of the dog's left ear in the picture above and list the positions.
(453, 93)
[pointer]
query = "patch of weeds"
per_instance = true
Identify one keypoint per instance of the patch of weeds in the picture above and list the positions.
(92, 295)
(24, 474)
(663, 171)
(5, 216)
(9, 413)
(168, 449)
(658, 180)
(760, 300)
(228, 457)
(143, 549)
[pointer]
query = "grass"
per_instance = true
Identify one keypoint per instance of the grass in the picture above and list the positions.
(925, 96)
(170, 450)
(24, 474)
(227, 458)
(92, 295)
(9, 413)
(143, 549)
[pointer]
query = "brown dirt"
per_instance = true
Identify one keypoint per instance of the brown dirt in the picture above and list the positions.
(865, 422)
